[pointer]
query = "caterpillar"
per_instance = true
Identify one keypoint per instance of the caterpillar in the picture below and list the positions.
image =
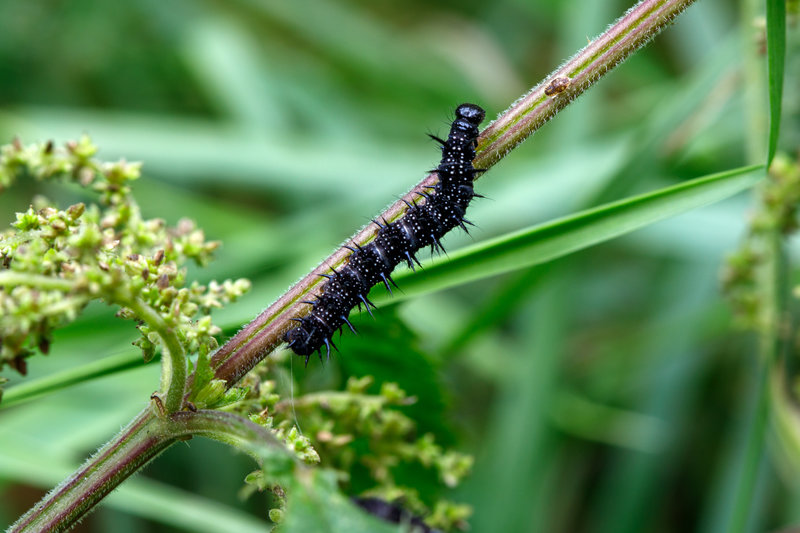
(393, 513)
(422, 225)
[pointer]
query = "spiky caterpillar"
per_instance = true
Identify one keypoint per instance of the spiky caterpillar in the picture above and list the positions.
(422, 225)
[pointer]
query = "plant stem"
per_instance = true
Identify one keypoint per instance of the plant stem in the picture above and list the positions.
(773, 296)
(10, 278)
(136, 445)
(753, 454)
(173, 363)
(121, 457)
(631, 32)
(237, 431)
(754, 93)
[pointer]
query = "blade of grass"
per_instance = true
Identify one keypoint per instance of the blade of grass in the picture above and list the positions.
(197, 151)
(551, 240)
(634, 492)
(776, 56)
(96, 369)
(754, 455)
(519, 428)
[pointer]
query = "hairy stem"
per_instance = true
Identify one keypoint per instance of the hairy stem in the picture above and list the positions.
(117, 460)
(136, 445)
(632, 31)
(237, 431)
(173, 363)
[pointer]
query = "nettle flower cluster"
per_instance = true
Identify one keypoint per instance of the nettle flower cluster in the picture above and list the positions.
(53, 262)
(343, 425)
(776, 215)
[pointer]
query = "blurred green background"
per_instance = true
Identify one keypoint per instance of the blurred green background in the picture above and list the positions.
(604, 392)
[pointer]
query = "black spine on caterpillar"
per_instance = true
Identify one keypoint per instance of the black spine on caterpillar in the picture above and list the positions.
(422, 225)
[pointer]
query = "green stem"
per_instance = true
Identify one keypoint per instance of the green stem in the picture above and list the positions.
(173, 366)
(136, 445)
(776, 58)
(753, 455)
(237, 431)
(773, 295)
(757, 125)
(631, 32)
(10, 278)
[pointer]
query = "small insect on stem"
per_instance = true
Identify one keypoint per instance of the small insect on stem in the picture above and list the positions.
(557, 86)
(161, 411)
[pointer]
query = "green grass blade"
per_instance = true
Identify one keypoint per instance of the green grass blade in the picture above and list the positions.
(753, 456)
(73, 376)
(519, 432)
(551, 240)
(776, 56)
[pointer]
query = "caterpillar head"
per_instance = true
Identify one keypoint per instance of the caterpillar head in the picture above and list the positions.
(472, 113)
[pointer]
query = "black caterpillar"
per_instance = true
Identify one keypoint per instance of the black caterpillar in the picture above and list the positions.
(422, 225)
(393, 513)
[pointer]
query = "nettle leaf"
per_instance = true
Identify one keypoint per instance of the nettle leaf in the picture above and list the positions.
(374, 352)
(202, 374)
(316, 504)
(214, 395)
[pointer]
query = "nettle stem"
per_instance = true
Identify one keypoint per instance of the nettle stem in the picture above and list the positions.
(10, 278)
(136, 445)
(632, 31)
(121, 457)
(173, 362)
(148, 434)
